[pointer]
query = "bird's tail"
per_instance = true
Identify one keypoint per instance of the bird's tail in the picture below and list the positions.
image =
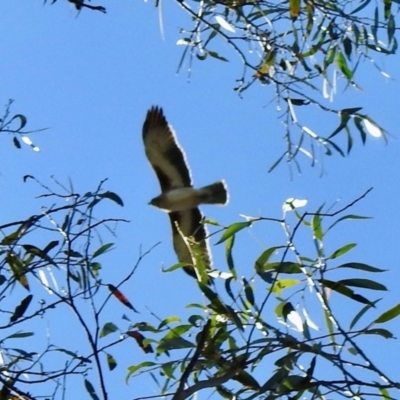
(215, 193)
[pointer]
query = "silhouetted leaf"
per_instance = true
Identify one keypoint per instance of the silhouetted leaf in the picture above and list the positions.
(381, 332)
(344, 290)
(112, 196)
(363, 283)
(21, 308)
(90, 389)
(361, 266)
(16, 142)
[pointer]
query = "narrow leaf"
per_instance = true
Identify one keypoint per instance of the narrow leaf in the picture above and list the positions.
(233, 229)
(388, 315)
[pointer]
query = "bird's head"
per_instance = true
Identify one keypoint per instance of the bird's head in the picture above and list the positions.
(156, 202)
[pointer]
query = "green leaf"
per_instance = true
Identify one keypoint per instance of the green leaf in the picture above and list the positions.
(285, 267)
(281, 284)
(217, 56)
(263, 258)
(134, 368)
(294, 9)
(112, 196)
(344, 290)
(381, 332)
(112, 363)
(21, 308)
(168, 320)
(385, 394)
(233, 229)
(50, 246)
(343, 250)
(108, 328)
(317, 227)
(228, 254)
(246, 380)
(342, 64)
(361, 266)
(19, 335)
(388, 315)
(363, 283)
(37, 252)
(90, 389)
(361, 313)
(102, 249)
(248, 291)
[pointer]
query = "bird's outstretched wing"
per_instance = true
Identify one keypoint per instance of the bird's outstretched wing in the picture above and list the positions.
(164, 152)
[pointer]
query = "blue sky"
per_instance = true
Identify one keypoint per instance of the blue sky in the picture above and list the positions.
(91, 78)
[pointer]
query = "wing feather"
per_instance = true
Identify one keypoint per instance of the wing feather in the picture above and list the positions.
(189, 222)
(164, 152)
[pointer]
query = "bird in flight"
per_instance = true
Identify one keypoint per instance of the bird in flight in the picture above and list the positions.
(178, 196)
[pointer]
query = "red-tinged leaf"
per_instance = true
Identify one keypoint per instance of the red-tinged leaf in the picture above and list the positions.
(140, 341)
(121, 297)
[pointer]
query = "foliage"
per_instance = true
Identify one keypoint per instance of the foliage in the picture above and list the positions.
(300, 51)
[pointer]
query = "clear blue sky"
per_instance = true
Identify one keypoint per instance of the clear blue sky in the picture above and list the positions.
(91, 79)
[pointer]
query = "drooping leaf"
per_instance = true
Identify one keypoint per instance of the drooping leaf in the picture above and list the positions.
(248, 291)
(246, 380)
(344, 290)
(18, 269)
(121, 297)
(228, 254)
(294, 9)
(361, 313)
(111, 362)
(21, 308)
(16, 142)
(140, 339)
(90, 389)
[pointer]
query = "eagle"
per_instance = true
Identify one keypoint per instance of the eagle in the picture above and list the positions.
(178, 196)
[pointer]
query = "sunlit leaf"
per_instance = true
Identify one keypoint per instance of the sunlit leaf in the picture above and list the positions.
(102, 249)
(294, 8)
(233, 229)
(372, 128)
(343, 250)
(134, 368)
(225, 24)
(388, 315)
